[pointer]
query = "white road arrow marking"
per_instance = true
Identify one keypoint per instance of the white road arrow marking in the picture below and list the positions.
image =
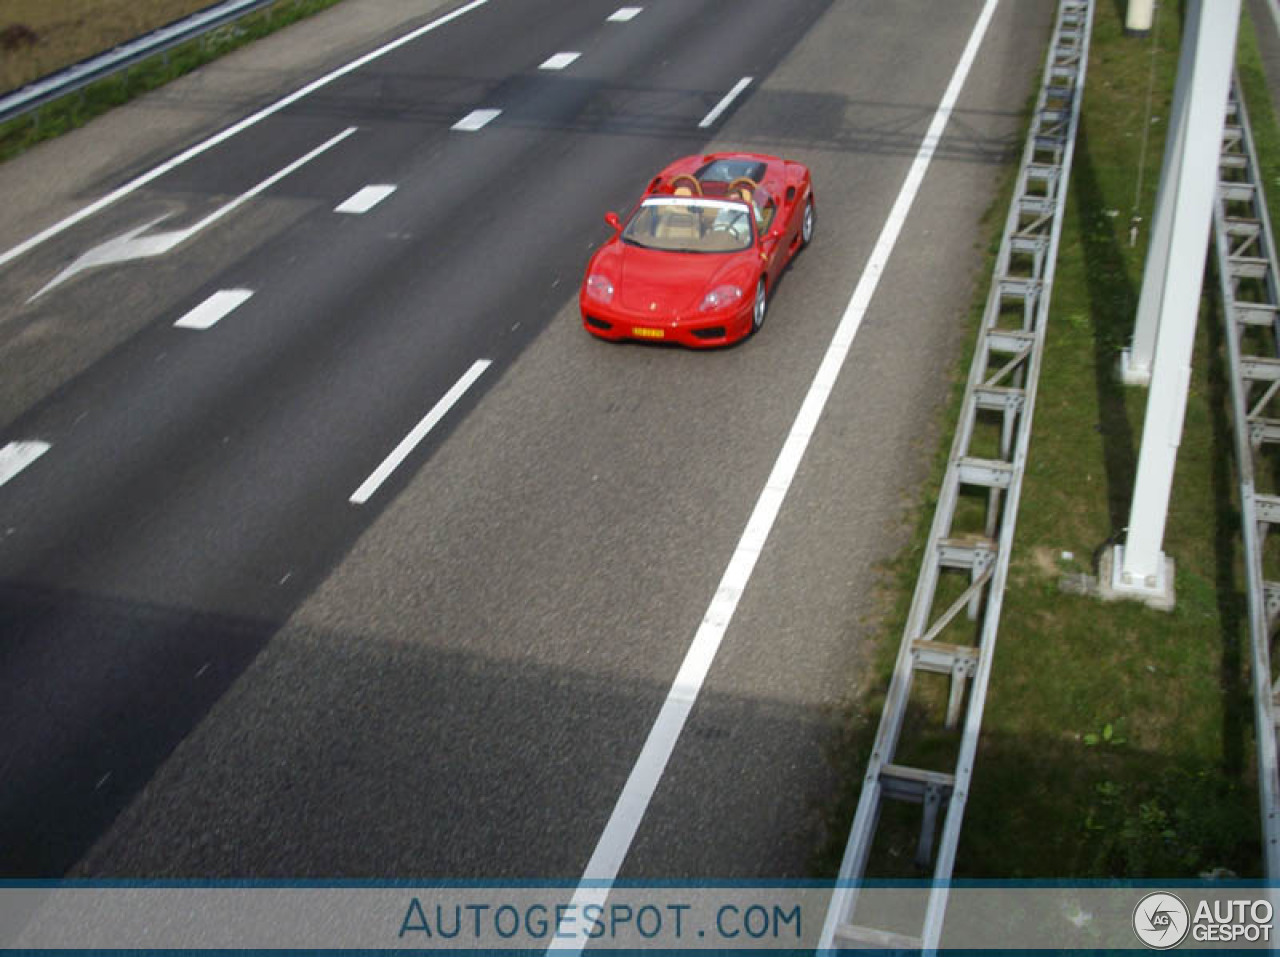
(134, 245)
(122, 248)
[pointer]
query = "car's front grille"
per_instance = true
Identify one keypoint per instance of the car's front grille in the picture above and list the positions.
(598, 323)
(710, 332)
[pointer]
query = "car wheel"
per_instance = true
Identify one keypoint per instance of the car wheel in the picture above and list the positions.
(761, 305)
(806, 223)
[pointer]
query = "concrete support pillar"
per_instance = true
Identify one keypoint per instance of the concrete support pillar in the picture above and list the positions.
(1139, 568)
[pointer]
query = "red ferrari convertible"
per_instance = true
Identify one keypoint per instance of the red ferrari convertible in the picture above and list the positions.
(697, 258)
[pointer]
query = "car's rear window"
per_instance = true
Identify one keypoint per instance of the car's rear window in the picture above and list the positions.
(727, 170)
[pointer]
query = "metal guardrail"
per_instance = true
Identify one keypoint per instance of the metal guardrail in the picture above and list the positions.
(77, 77)
(966, 559)
(1248, 276)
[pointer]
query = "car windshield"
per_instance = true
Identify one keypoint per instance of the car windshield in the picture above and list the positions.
(690, 225)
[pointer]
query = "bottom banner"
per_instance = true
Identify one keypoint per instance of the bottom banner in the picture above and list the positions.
(96, 916)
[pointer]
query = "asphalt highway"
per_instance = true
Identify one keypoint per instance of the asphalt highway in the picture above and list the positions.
(331, 546)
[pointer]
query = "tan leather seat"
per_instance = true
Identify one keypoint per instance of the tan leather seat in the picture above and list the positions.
(680, 226)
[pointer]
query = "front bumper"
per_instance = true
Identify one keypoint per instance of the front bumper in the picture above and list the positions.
(697, 332)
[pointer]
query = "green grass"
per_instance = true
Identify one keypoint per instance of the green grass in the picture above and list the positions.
(38, 37)
(1117, 740)
(79, 108)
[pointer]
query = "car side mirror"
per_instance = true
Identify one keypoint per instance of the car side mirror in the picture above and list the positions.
(613, 220)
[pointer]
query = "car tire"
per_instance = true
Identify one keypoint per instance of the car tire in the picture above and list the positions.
(760, 307)
(807, 220)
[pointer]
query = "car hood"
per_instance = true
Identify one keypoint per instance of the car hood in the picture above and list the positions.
(668, 285)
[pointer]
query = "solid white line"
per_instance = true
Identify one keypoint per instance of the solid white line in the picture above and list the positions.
(476, 119)
(231, 131)
(16, 456)
(411, 441)
(365, 199)
(623, 14)
(559, 61)
(620, 831)
(724, 103)
(207, 314)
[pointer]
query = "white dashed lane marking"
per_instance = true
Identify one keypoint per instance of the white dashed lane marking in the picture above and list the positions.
(214, 308)
(476, 120)
(623, 14)
(16, 456)
(559, 61)
(365, 199)
(420, 431)
(723, 105)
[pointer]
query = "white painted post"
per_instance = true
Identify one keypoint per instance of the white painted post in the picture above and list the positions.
(1135, 362)
(1139, 567)
(1138, 16)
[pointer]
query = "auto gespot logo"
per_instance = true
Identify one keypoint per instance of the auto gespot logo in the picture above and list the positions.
(1162, 921)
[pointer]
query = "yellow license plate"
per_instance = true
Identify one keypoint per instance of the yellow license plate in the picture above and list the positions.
(645, 333)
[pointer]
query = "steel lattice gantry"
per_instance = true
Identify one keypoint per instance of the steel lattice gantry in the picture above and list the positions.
(967, 556)
(1246, 260)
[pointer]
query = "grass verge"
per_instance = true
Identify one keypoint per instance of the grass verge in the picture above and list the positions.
(79, 108)
(39, 38)
(1117, 740)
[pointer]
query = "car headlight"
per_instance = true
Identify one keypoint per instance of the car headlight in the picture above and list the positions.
(599, 287)
(720, 298)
